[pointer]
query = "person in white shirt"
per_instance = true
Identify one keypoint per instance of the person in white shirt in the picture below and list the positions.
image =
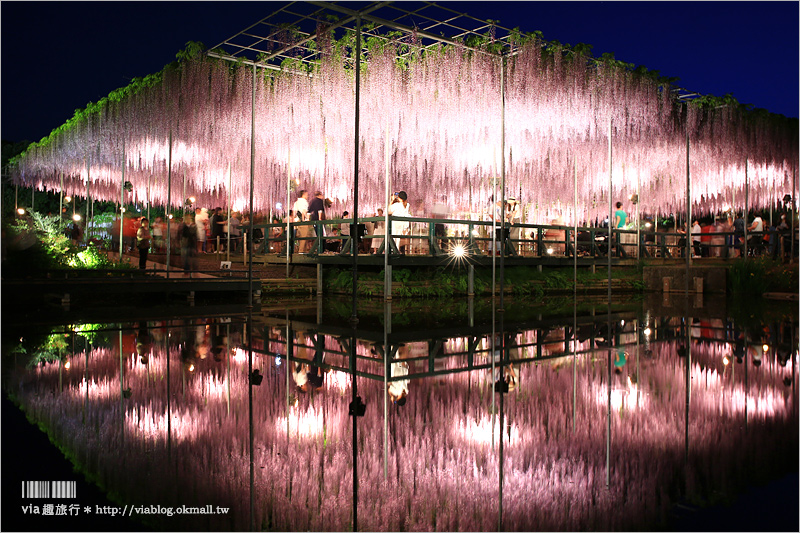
(201, 221)
(757, 228)
(696, 231)
(301, 212)
(399, 208)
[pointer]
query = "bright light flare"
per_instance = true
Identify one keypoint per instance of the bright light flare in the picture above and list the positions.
(20, 211)
(459, 251)
(68, 199)
(76, 217)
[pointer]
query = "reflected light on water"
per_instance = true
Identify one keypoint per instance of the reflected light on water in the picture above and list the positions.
(309, 423)
(480, 431)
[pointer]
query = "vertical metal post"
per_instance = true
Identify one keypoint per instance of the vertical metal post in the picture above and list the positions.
(610, 336)
(689, 244)
(228, 242)
(354, 228)
(88, 202)
(169, 198)
(122, 202)
(746, 204)
(793, 214)
(252, 182)
(183, 198)
(387, 271)
(638, 219)
(148, 197)
(61, 197)
(288, 207)
(503, 182)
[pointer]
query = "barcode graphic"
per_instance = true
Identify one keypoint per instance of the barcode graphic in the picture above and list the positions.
(48, 489)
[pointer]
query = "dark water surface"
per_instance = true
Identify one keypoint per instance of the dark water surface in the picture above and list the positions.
(642, 415)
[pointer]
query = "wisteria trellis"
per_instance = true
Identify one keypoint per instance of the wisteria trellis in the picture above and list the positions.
(442, 117)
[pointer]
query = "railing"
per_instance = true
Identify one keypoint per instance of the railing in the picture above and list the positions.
(441, 236)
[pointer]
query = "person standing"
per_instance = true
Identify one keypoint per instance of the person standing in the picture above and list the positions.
(696, 236)
(300, 209)
(158, 234)
(235, 232)
(216, 222)
(738, 233)
(377, 232)
(201, 224)
(143, 242)
(757, 231)
(187, 232)
(316, 212)
(514, 219)
(620, 217)
(399, 208)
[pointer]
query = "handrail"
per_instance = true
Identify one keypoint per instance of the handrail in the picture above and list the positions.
(534, 240)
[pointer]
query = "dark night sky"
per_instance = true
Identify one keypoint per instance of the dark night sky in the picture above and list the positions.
(58, 56)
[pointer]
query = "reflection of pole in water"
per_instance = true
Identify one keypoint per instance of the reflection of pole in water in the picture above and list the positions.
(249, 327)
(387, 326)
(169, 408)
(228, 365)
(121, 389)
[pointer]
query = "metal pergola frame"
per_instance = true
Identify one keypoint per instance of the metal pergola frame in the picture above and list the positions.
(264, 43)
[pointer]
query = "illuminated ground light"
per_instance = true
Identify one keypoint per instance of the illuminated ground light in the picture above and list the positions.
(458, 252)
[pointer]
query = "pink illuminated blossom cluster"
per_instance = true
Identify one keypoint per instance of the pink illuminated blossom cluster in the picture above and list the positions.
(440, 120)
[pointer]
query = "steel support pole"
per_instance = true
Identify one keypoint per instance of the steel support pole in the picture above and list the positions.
(610, 335)
(387, 270)
(148, 197)
(169, 199)
(746, 203)
(689, 243)
(354, 227)
(638, 219)
(228, 241)
(61, 197)
(288, 208)
(252, 184)
(122, 203)
(86, 222)
(793, 214)
(502, 182)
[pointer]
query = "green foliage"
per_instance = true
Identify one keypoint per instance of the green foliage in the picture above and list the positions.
(748, 277)
(47, 247)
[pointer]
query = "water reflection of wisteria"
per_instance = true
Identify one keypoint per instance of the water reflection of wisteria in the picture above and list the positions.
(172, 428)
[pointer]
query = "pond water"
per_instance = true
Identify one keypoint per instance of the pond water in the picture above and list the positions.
(557, 416)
